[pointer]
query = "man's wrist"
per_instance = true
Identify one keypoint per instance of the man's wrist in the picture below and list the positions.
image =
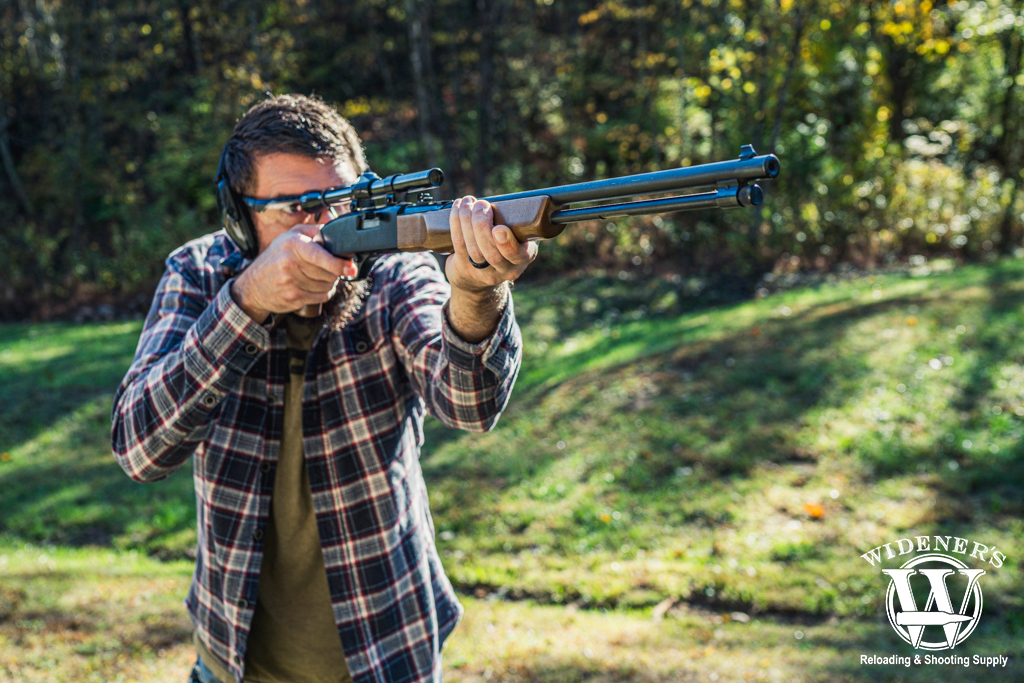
(474, 314)
(239, 293)
(486, 295)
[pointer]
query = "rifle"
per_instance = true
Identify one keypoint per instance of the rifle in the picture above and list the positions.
(384, 220)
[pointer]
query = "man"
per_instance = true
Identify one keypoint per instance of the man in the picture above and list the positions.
(316, 557)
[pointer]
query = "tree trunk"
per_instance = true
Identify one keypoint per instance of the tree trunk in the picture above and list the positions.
(8, 160)
(1010, 141)
(486, 10)
(416, 52)
(193, 59)
(794, 59)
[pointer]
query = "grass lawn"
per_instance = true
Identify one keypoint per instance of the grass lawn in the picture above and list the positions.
(680, 489)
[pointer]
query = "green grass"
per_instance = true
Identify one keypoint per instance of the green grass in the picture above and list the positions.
(656, 447)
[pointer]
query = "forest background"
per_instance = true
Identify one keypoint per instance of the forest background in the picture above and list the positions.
(898, 123)
(693, 463)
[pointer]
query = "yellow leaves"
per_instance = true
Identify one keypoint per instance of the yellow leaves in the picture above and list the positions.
(5, 457)
(825, 24)
(702, 92)
(871, 68)
(602, 117)
(749, 88)
(883, 113)
(911, 321)
(146, 29)
(786, 5)
(809, 212)
(589, 17)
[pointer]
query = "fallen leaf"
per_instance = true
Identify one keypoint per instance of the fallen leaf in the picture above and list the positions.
(815, 510)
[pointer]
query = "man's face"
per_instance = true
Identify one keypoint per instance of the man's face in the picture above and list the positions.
(289, 175)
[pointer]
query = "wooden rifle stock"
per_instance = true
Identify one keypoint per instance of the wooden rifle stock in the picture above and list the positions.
(529, 219)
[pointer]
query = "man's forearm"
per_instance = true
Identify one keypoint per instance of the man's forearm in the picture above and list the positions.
(474, 315)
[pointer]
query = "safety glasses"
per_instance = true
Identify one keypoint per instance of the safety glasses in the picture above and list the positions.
(292, 206)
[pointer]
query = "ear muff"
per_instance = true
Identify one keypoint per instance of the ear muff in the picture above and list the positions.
(234, 214)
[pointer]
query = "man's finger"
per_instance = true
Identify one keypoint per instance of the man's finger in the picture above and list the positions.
(315, 273)
(511, 249)
(466, 227)
(318, 256)
(455, 227)
(309, 230)
(483, 224)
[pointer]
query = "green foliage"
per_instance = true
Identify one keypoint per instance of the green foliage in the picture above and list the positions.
(896, 122)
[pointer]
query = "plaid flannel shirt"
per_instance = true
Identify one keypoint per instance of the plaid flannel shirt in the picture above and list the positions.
(209, 382)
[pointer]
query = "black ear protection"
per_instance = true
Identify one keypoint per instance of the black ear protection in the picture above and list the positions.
(234, 214)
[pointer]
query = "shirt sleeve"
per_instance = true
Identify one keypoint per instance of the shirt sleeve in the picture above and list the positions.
(192, 352)
(465, 386)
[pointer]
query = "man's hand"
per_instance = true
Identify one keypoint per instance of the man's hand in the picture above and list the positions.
(292, 272)
(479, 294)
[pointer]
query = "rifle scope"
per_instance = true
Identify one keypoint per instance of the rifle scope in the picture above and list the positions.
(371, 186)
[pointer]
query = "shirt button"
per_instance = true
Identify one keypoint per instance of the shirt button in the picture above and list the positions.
(252, 349)
(264, 467)
(361, 346)
(209, 400)
(257, 535)
(243, 603)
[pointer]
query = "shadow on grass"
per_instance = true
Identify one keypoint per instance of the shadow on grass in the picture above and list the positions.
(48, 370)
(725, 404)
(61, 484)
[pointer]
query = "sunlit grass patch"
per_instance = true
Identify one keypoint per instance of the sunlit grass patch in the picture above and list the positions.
(91, 615)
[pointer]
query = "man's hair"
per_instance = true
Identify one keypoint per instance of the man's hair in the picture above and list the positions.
(289, 124)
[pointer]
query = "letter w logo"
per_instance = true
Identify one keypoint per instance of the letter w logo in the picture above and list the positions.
(938, 610)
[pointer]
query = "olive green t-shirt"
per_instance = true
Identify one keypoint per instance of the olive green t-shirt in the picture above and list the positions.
(293, 637)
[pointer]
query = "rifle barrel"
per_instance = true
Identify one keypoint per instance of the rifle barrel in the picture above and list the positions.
(750, 195)
(755, 168)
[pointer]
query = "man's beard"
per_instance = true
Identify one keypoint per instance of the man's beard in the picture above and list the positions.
(342, 308)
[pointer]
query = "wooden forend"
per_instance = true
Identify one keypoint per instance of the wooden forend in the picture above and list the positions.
(529, 219)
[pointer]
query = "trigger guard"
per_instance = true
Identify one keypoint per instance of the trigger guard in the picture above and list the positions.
(364, 264)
